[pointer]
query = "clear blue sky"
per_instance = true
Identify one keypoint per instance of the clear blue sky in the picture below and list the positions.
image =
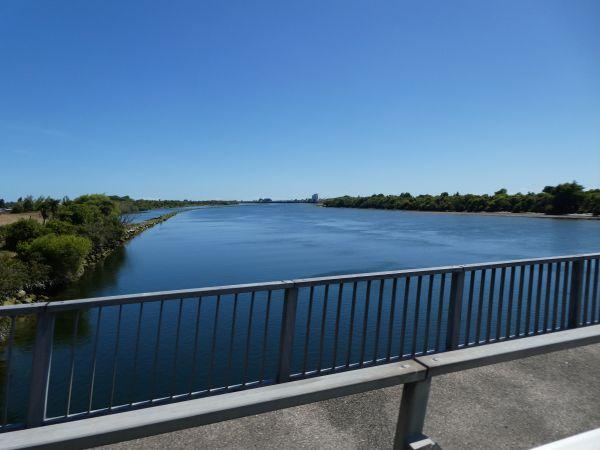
(242, 99)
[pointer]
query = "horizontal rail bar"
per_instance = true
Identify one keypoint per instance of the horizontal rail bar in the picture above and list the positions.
(116, 300)
(525, 262)
(21, 309)
(274, 285)
(172, 417)
(484, 355)
(436, 270)
(304, 282)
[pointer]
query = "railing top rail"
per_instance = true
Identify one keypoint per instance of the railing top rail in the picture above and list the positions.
(274, 285)
(145, 422)
(523, 262)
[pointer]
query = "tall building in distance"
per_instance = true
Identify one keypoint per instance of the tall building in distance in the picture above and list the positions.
(315, 198)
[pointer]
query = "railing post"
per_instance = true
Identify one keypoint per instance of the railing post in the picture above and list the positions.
(455, 309)
(40, 369)
(411, 419)
(575, 300)
(288, 323)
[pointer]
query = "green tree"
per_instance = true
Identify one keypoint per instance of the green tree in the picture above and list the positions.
(64, 254)
(23, 230)
(566, 198)
(28, 204)
(561, 199)
(13, 275)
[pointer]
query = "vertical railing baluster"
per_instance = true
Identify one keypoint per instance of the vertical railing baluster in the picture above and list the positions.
(265, 336)
(156, 348)
(72, 368)
(351, 330)
(595, 291)
(378, 323)
(556, 295)
(248, 338)
(575, 299)
(213, 344)
(416, 316)
(391, 321)
(529, 299)
(323, 328)
(176, 350)
(288, 324)
(520, 300)
(308, 326)
(490, 310)
(455, 308)
(337, 324)
(115, 359)
(470, 307)
(135, 356)
(7, 374)
(565, 290)
(231, 342)
(500, 312)
(480, 307)
(195, 350)
(404, 315)
(365, 323)
(538, 300)
(547, 300)
(586, 296)
(440, 311)
(40, 369)
(428, 314)
(94, 360)
(511, 295)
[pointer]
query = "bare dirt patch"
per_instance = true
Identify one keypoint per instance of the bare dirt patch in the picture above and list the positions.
(7, 218)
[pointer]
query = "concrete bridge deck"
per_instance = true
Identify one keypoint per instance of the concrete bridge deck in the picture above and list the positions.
(516, 405)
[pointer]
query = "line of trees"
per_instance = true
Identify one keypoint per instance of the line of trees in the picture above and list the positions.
(128, 205)
(36, 256)
(45, 205)
(565, 198)
(48, 205)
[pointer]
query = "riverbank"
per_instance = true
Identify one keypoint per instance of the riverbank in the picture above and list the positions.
(42, 292)
(566, 200)
(486, 213)
(130, 232)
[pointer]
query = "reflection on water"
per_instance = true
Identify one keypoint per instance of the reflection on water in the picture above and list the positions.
(104, 273)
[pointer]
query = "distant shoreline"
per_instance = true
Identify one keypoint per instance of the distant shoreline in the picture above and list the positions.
(486, 213)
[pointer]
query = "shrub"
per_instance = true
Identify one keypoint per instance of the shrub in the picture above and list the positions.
(23, 230)
(566, 198)
(64, 254)
(95, 217)
(60, 227)
(592, 203)
(13, 275)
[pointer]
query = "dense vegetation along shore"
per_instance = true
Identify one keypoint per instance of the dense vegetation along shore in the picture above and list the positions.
(37, 257)
(47, 205)
(565, 198)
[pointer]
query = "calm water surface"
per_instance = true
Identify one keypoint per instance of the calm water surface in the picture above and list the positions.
(245, 244)
(251, 243)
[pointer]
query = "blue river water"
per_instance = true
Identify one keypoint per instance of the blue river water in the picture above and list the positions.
(215, 246)
(250, 243)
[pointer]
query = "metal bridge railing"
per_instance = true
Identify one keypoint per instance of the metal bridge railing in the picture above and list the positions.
(82, 358)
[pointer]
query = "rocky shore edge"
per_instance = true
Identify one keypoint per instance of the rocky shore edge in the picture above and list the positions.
(131, 231)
